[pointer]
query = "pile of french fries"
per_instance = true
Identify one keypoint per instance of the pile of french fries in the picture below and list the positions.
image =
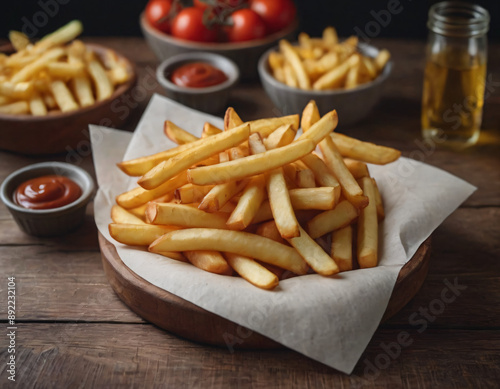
(256, 199)
(54, 75)
(325, 63)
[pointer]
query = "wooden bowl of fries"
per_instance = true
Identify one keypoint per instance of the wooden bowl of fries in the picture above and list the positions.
(50, 91)
(245, 54)
(292, 81)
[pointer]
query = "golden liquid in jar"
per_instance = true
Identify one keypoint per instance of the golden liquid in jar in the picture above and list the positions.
(453, 99)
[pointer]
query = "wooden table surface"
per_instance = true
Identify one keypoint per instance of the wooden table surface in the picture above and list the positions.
(73, 332)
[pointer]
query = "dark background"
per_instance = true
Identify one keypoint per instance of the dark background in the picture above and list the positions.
(120, 18)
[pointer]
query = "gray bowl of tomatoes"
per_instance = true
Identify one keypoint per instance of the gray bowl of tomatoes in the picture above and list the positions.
(241, 30)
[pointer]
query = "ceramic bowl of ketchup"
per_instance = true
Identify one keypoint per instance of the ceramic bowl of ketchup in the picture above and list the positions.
(199, 80)
(48, 198)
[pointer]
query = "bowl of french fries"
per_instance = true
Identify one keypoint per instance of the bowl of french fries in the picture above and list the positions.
(347, 74)
(257, 199)
(50, 90)
(245, 54)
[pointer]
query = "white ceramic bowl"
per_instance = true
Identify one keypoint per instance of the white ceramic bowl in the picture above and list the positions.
(245, 54)
(352, 105)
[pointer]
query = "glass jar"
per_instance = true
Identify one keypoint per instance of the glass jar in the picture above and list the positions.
(455, 74)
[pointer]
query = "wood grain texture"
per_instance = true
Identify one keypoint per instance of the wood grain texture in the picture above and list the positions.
(75, 332)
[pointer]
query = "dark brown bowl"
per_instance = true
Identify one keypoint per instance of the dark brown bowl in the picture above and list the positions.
(62, 132)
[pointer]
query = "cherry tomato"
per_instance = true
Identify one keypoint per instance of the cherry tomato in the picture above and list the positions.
(158, 13)
(189, 24)
(246, 25)
(277, 14)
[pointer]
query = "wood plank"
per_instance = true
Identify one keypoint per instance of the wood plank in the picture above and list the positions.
(111, 355)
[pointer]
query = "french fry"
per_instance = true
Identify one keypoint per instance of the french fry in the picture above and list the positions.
(322, 128)
(281, 206)
(352, 79)
(83, 91)
(138, 234)
(139, 196)
(183, 215)
(251, 165)
(358, 169)
(313, 254)
(323, 175)
(367, 245)
(381, 59)
(342, 215)
(305, 178)
(282, 136)
(350, 188)
(298, 68)
(341, 249)
(16, 108)
(236, 242)
(310, 115)
(335, 77)
(104, 87)
(177, 134)
(270, 230)
(36, 66)
(21, 90)
(231, 119)
(322, 198)
(209, 260)
(220, 194)
(330, 36)
(252, 271)
(63, 96)
(209, 130)
(37, 106)
(266, 126)
(63, 35)
(190, 193)
(65, 69)
(18, 40)
(248, 204)
(289, 76)
(364, 151)
(122, 216)
(210, 146)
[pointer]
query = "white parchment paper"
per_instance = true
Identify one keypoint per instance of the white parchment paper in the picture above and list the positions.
(329, 319)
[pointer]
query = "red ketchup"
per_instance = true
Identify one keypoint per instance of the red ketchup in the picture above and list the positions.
(197, 75)
(47, 192)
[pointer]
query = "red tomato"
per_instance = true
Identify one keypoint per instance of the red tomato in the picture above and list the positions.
(200, 4)
(189, 24)
(158, 13)
(277, 14)
(246, 25)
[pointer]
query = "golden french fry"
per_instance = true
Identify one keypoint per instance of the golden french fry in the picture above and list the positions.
(352, 79)
(266, 126)
(294, 60)
(122, 216)
(364, 151)
(190, 193)
(281, 206)
(63, 35)
(282, 136)
(138, 234)
(270, 230)
(322, 198)
(231, 119)
(63, 96)
(313, 254)
(310, 115)
(322, 128)
(209, 130)
(251, 165)
(236, 242)
(381, 59)
(36, 66)
(341, 249)
(252, 271)
(209, 260)
(330, 36)
(369, 67)
(103, 85)
(378, 201)
(210, 146)
(335, 163)
(367, 244)
(248, 204)
(83, 91)
(323, 175)
(279, 75)
(220, 194)
(21, 90)
(16, 108)
(4, 100)
(18, 40)
(139, 196)
(177, 134)
(290, 76)
(183, 215)
(305, 178)
(358, 169)
(276, 60)
(37, 106)
(340, 216)
(335, 77)
(65, 70)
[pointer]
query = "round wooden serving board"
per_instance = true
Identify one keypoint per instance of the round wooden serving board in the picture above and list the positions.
(189, 321)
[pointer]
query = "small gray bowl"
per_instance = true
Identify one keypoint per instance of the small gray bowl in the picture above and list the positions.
(48, 222)
(212, 99)
(352, 105)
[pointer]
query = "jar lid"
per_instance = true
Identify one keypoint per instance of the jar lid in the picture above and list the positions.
(458, 19)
